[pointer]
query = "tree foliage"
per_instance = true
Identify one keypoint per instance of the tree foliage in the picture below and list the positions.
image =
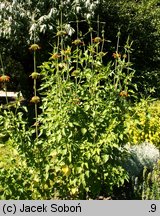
(22, 22)
(141, 21)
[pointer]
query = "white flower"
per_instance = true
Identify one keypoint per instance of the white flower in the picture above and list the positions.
(69, 29)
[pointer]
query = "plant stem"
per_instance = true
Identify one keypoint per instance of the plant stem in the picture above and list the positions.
(5, 86)
(116, 61)
(35, 93)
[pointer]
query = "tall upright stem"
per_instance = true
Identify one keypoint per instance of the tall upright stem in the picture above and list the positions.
(35, 91)
(5, 86)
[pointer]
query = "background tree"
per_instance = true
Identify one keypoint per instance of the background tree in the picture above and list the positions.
(140, 20)
(22, 22)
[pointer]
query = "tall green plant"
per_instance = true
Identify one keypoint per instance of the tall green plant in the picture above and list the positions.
(81, 123)
(151, 183)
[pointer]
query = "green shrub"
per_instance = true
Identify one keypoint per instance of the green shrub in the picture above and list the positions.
(151, 183)
(75, 148)
(82, 122)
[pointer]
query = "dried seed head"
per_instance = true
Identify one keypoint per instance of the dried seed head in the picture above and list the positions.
(35, 99)
(34, 75)
(34, 47)
(67, 51)
(4, 78)
(61, 33)
(124, 56)
(97, 40)
(78, 42)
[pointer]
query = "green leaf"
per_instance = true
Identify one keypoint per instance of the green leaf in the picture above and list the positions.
(70, 157)
(105, 158)
(94, 171)
(88, 155)
(84, 131)
(79, 169)
(86, 107)
(87, 173)
(97, 158)
(58, 138)
(76, 123)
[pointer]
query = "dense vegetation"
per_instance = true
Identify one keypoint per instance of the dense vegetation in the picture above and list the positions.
(89, 73)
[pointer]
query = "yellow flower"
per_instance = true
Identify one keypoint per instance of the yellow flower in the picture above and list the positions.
(4, 78)
(35, 99)
(34, 75)
(34, 47)
(66, 170)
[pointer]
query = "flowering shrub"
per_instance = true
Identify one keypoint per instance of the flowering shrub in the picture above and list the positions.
(142, 123)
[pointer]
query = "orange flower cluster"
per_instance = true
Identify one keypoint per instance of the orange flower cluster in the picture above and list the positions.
(116, 55)
(55, 56)
(4, 78)
(123, 94)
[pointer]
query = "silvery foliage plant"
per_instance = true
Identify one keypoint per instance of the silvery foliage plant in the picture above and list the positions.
(144, 154)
